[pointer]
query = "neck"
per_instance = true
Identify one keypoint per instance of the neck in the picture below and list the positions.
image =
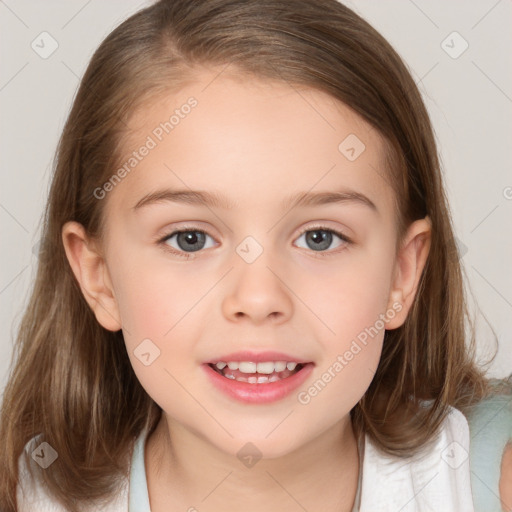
(183, 468)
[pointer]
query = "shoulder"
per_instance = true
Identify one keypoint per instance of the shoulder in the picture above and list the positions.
(490, 422)
(32, 494)
(435, 478)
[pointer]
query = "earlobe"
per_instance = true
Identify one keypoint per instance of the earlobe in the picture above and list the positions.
(409, 266)
(90, 270)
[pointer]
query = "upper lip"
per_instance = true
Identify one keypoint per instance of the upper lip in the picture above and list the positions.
(257, 357)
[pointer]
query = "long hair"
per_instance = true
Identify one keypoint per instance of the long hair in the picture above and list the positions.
(71, 379)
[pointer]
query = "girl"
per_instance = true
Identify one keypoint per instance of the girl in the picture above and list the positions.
(249, 295)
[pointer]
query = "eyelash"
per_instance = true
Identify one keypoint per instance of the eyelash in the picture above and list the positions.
(194, 229)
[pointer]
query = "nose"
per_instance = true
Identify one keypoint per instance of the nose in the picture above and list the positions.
(257, 292)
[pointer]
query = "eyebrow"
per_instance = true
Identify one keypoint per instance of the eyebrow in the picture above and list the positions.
(216, 200)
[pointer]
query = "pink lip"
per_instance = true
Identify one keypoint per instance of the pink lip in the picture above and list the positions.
(259, 393)
(257, 357)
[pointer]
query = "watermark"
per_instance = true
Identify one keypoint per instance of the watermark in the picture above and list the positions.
(45, 455)
(462, 248)
(454, 455)
(249, 249)
(45, 45)
(249, 455)
(146, 352)
(507, 193)
(351, 147)
(342, 360)
(454, 45)
(151, 142)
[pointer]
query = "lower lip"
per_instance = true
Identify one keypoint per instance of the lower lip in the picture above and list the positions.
(258, 393)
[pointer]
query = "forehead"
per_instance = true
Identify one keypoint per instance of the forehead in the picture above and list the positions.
(250, 138)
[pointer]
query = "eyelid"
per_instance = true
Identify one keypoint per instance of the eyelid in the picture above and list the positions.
(186, 227)
(193, 227)
(325, 227)
(161, 239)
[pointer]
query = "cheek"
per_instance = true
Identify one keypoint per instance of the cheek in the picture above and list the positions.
(144, 304)
(350, 298)
(349, 293)
(158, 321)
(153, 298)
(161, 311)
(350, 307)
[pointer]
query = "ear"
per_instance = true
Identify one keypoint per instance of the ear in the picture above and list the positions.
(409, 265)
(90, 270)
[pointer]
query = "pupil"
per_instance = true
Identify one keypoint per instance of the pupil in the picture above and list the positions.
(318, 237)
(190, 240)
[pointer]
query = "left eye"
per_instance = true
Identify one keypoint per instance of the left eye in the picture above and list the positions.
(319, 239)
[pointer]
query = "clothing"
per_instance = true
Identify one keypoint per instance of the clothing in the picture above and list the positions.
(437, 479)
(490, 424)
(32, 496)
(139, 499)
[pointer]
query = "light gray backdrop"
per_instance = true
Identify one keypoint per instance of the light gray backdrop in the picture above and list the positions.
(459, 53)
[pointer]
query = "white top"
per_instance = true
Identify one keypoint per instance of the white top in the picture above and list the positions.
(436, 480)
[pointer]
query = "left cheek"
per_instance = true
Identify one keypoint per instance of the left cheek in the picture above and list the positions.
(353, 310)
(350, 298)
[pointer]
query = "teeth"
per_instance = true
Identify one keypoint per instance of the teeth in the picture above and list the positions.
(245, 367)
(266, 367)
(280, 366)
(254, 380)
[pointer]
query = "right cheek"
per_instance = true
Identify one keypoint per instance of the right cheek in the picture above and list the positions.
(136, 304)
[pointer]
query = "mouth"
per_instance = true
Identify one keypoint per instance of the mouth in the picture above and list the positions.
(257, 377)
(264, 372)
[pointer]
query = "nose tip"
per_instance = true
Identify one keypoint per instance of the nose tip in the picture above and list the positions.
(256, 292)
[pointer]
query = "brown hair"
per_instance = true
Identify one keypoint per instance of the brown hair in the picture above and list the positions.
(72, 380)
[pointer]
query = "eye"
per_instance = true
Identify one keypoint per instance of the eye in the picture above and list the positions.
(186, 241)
(181, 242)
(320, 238)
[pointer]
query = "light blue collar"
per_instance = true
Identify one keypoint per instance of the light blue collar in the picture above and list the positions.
(139, 497)
(138, 500)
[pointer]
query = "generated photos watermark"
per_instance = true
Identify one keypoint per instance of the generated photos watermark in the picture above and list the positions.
(342, 360)
(151, 142)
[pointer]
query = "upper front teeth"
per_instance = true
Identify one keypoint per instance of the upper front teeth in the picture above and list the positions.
(249, 367)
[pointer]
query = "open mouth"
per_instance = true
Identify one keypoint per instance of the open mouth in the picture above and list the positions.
(261, 373)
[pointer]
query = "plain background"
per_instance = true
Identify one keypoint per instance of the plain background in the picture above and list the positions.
(469, 98)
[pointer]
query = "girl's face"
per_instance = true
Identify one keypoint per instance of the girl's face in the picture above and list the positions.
(310, 279)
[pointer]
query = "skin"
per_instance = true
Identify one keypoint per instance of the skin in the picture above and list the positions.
(506, 478)
(257, 142)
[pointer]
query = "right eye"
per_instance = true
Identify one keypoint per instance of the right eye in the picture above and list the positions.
(185, 241)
